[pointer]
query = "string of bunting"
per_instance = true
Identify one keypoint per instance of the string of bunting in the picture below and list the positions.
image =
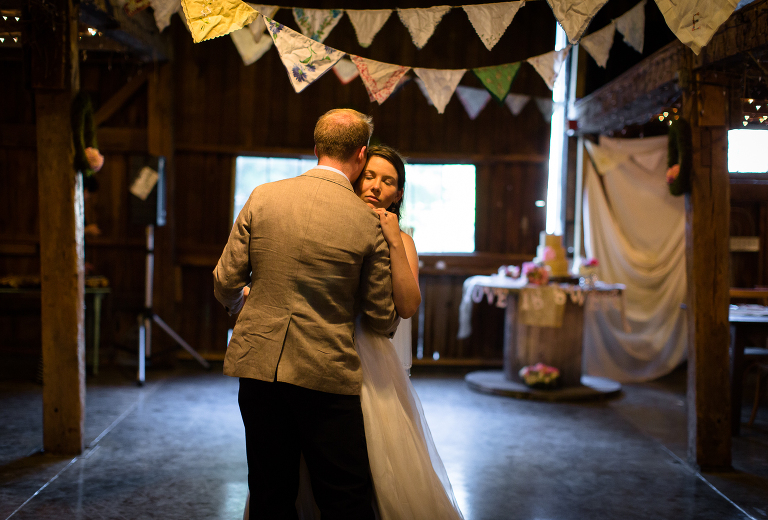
(306, 58)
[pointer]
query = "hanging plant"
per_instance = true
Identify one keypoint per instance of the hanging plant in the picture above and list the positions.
(87, 157)
(680, 157)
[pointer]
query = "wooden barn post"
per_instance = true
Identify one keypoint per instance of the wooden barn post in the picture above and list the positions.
(54, 75)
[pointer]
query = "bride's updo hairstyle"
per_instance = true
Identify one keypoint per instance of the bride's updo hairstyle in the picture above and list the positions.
(394, 158)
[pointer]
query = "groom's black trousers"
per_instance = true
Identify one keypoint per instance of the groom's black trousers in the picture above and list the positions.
(282, 421)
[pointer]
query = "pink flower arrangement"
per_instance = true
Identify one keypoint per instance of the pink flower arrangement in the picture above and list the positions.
(536, 274)
(672, 173)
(95, 159)
(511, 271)
(540, 375)
(592, 262)
(549, 254)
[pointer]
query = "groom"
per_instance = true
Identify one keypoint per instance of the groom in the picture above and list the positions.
(314, 255)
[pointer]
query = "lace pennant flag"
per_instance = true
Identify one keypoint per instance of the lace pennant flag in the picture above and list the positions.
(213, 18)
(548, 65)
(440, 84)
(257, 28)
(304, 59)
(498, 79)
(380, 79)
(368, 23)
(346, 71)
(599, 43)
(250, 50)
(421, 23)
(516, 103)
(694, 22)
(491, 20)
(317, 23)
(164, 9)
(473, 99)
(574, 15)
(631, 25)
(546, 106)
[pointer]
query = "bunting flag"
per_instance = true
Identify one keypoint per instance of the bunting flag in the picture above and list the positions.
(599, 43)
(694, 22)
(424, 91)
(368, 23)
(498, 79)
(473, 99)
(304, 58)
(574, 15)
(250, 50)
(421, 23)
(209, 19)
(164, 9)
(516, 103)
(257, 28)
(631, 25)
(546, 107)
(380, 79)
(345, 70)
(317, 23)
(491, 20)
(548, 65)
(440, 84)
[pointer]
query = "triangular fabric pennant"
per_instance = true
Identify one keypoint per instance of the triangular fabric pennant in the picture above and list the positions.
(694, 22)
(345, 70)
(368, 23)
(631, 25)
(498, 79)
(598, 44)
(421, 23)
(304, 59)
(473, 99)
(516, 103)
(250, 50)
(164, 9)
(317, 23)
(440, 84)
(546, 106)
(380, 79)
(548, 65)
(213, 18)
(491, 20)
(574, 15)
(257, 28)
(423, 88)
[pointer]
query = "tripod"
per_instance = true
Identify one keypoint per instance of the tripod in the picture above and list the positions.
(148, 316)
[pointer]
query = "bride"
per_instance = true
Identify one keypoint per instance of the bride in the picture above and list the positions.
(409, 479)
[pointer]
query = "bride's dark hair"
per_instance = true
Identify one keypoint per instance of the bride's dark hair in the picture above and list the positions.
(394, 158)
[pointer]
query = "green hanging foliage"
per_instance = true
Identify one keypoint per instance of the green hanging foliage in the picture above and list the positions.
(83, 132)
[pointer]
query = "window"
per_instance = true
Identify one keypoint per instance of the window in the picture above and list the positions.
(438, 206)
(746, 151)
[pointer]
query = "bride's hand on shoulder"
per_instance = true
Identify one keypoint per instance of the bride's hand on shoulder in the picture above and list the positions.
(389, 226)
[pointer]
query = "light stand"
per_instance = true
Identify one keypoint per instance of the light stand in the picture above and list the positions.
(148, 316)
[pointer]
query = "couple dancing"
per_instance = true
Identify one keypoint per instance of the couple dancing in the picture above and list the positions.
(333, 426)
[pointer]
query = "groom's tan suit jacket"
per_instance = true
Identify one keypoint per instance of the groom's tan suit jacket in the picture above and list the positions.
(314, 255)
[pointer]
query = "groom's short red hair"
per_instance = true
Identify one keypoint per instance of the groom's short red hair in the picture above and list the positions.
(340, 132)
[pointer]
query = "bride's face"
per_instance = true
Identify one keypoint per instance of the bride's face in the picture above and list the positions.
(377, 185)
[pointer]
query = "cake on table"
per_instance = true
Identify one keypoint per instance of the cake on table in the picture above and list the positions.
(551, 253)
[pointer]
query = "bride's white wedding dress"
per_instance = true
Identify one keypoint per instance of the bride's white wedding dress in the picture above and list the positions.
(409, 479)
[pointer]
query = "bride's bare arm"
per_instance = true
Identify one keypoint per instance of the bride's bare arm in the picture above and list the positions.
(404, 264)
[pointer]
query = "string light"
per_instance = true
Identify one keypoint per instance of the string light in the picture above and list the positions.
(666, 114)
(92, 31)
(661, 118)
(17, 18)
(757, 107)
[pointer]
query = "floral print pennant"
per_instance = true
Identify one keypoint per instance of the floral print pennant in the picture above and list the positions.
(380, 79)
(304, 59)
(257, 28)
(316, 23)
(213, 18)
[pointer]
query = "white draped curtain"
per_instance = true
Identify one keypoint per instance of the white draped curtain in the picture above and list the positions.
(636, 230)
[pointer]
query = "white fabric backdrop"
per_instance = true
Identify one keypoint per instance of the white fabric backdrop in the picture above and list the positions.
(636, 230)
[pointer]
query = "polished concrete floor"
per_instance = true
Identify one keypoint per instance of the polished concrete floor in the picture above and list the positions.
(174, 449)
